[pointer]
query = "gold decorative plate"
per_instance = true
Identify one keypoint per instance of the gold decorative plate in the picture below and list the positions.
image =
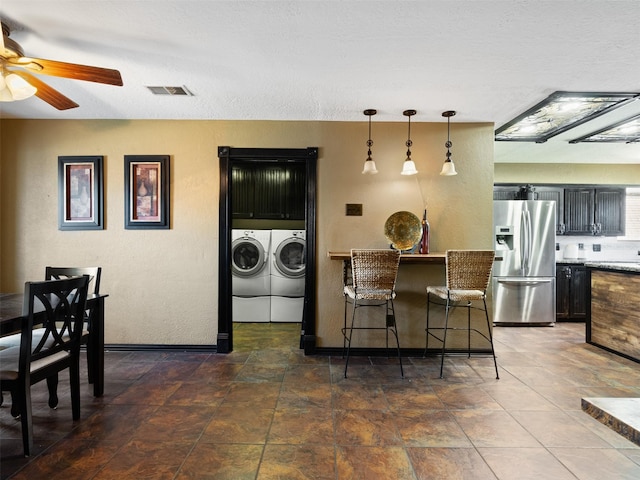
(403, 230)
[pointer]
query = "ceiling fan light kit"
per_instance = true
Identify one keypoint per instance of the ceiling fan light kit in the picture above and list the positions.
(18, 83)
(13, 88)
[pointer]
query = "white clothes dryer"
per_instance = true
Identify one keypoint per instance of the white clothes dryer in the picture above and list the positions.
(288, 270)
(250, 266)
(250, 275)
(251, 309)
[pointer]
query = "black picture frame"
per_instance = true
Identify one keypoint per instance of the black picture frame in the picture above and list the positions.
(146, 201)
(80, 193)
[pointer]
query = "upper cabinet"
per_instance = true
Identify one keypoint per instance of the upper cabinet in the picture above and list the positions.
(580, 210)
(506, 192)
(242, 192)
(610, 210)
(269, 191)
(594, 211)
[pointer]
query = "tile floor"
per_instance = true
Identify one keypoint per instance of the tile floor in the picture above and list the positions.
(266, 411)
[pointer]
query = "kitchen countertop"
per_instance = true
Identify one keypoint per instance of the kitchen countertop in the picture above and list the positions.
(620, 414)
(572, 261)
(602, 264)
(616, 266)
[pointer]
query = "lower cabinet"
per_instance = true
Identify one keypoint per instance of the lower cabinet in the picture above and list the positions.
(571, 292)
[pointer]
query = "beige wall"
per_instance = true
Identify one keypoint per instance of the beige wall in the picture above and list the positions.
(163, 283)
(567, 173)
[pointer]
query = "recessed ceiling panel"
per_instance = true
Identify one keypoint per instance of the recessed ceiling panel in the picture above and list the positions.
(560, 112)
(626, 131)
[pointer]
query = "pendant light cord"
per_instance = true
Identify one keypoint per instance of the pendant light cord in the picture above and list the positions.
(369, 142)
(409, 143)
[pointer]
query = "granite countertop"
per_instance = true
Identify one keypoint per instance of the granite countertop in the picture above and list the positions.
(620, 414)
(619, 266)
(572, 261)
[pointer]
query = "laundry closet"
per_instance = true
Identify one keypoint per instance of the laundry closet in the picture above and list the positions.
(268, 241)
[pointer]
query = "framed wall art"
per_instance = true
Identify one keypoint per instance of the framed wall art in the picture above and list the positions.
(146, 201)
(80, 193)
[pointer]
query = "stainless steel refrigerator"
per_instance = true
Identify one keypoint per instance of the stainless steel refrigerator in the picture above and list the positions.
(524, 273)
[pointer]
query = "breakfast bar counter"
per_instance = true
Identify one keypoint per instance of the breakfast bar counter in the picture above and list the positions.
(410, 258)
(613, 319)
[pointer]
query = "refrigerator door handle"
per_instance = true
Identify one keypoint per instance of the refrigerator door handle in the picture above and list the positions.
(522, 243)
(524, 282)
(529, 243)
(525, 242)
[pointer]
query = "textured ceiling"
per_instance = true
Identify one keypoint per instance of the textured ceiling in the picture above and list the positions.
(329, 60)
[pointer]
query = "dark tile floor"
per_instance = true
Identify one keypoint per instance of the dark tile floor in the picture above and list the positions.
(266, 411)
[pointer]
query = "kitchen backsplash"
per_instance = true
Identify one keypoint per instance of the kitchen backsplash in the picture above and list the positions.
(611, 249)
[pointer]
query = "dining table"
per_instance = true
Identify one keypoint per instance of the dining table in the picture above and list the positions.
(11, 319)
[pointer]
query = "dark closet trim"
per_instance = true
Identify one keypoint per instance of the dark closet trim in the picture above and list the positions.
(227, 157)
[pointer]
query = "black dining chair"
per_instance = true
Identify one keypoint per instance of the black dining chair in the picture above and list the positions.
(57, 305)
(56, 273)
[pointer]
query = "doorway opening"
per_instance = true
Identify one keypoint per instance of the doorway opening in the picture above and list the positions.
(232, 204)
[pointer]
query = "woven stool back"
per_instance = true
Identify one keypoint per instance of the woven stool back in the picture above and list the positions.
(469, 269)
(374, 269)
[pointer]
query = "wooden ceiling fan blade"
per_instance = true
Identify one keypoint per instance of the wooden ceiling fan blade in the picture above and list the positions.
(47, 93)
(68, 70)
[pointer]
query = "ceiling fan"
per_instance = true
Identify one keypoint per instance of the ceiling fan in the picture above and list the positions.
(15, 68)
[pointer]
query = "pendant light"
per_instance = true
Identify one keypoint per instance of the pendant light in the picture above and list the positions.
(409, 168)
(448, 168)
(369, 164)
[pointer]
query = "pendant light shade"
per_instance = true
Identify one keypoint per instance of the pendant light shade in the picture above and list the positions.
(369, 164)
(409, 168)
(448, 168)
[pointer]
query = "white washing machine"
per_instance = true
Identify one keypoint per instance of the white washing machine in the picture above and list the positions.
(288, 249)
(250, 275)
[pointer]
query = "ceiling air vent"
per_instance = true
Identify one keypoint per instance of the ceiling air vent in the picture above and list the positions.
(170, 91)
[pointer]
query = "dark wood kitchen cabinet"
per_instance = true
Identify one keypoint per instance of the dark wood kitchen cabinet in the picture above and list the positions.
(610, 210)
(242, 192)
(580, 209)
(506, 192)
(271, 191)
(594, 211)
(571, 292)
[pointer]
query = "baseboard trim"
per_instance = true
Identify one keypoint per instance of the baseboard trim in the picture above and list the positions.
(132, 347)
(404, 352)
(322, 351)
